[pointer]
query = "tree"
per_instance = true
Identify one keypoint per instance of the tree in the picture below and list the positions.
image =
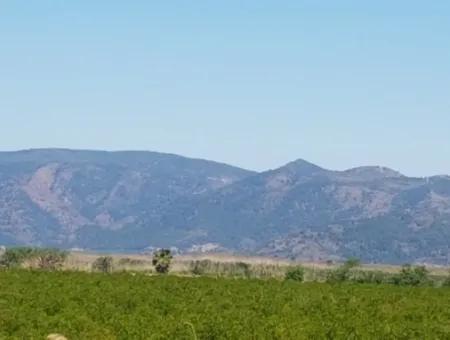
(161, 260)
(103, 264)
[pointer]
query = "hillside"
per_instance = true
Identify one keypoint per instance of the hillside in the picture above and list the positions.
(70, 198)
(133, 200)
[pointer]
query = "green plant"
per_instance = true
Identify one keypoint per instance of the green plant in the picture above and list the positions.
(343, 273)
(295, 274)
(199, 267)
(411, 276)
(50, 259)
(365, 276)
(42, 258)
(83, 305)
(14, 257)
(446, 282)
(161, 260)
(126, 261)
(352, 263)
(103, 264)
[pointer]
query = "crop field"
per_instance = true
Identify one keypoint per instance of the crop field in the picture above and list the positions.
(79, 305)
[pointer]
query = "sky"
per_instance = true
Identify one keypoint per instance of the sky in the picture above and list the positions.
(251, 83)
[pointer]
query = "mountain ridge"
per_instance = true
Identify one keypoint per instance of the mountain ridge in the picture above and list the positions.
(136, 199)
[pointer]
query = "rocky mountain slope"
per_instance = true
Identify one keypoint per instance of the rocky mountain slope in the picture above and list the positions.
(132, 200)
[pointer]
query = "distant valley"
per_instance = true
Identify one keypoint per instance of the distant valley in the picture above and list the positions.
(132, 201)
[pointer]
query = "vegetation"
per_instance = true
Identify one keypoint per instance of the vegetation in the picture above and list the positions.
(82, 305)
(161, 260)
(103, 264)
(42, 258)
(79, 305)
(446, 282)
(343, 273)
(412, 276)
(236, 269)
(295, 274)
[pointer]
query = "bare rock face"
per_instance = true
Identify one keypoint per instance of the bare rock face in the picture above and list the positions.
(136, 200)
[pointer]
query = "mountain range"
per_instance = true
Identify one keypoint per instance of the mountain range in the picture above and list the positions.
(133, 200)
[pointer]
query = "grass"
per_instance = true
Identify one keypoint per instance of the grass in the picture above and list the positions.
(83, 305)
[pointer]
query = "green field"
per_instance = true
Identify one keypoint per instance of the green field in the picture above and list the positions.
(80, 305)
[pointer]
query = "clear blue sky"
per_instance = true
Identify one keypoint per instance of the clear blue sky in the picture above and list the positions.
(252, 83)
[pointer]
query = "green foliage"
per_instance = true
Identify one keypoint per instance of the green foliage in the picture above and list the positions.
(352, 263)
(14, 257)
(126, 261)
(369, 276)
(42, 258)
(446, 282)
(199, 267)
(50, 259)
(339, 274)
(229, 269)
(343, 272)
(295, 274)
(103, 264)
(412, 276)
(124, 306)
(161, 260)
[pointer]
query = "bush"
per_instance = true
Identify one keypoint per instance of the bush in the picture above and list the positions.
(343, 273)
(295, 274)
(14, 257)
(50, 259)
(161, 260)
(446, 282)
(43, 258)
(126, 261)
(340, 274)
(208, 267)
(368, 276)
(352, 263)
(411, 276)
(103, 264)
(241, 269)
(200, 267)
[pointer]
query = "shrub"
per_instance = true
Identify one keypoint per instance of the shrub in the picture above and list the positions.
(233, 269)
(43, 258)
(50, 259)
(295, 274)
(411, 276)
(161, 260)
(343, 273)
(241, 269)
(199, 267)
(126, 261)
(103, 264)
(446, 282)
(14, 257)
(352, 263)
(340, 274)
(368, 276)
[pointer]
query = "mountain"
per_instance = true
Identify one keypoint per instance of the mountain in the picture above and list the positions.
(71, 198)
(133, 200)
(303, 211)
